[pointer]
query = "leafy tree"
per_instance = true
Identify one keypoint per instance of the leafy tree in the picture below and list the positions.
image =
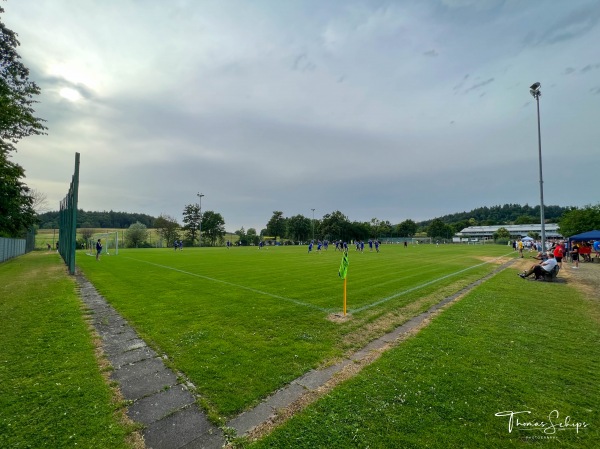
(438, 228)
(252, 236)
(407, 228)
(191, 220)
(167, 228)
(578, 220)
(16, 92)
(374, 227)
(213, 227)
(16, 205)
(276, 225)
(526, 219)
(299, 228)
(502, 234)
(242, 239)
(385, 228)
(136, 235)
(358, 230)
(16, 121)
(335, 226)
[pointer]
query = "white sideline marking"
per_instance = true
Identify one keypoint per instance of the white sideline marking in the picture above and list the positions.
(300, 303)
(395, 295)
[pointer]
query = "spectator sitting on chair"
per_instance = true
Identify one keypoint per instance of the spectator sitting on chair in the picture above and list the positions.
(539, 269)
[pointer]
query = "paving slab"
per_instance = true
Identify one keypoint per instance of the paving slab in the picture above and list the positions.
(318, 377)
(161, 404)
(135, 355)
(208, 440)
(248, 420)
(138, 386)
(286, 396)
(177, 430)
(118, 347)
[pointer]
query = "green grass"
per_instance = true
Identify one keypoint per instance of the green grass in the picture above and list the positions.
(242, 323)
(508, 345)
(51, 391)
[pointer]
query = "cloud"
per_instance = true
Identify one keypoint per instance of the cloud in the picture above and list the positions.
(461, 83)
(479, 85)
(574, 25)
(303, 64)
(294, 105)
(590, 67)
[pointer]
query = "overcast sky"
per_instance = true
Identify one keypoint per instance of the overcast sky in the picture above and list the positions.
(380, 109)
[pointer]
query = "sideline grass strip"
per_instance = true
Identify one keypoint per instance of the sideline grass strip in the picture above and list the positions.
(507, 346)
(51, 391)
(238, 345)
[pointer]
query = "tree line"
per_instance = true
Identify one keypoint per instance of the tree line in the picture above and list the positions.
(335, 225)
(208, 229)
(107, 220)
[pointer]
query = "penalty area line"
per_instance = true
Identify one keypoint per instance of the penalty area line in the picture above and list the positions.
(231, 284)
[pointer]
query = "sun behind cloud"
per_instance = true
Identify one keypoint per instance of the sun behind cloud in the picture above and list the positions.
(70, 94)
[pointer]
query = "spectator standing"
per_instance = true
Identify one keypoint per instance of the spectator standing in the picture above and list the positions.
(98, 249)
(575, 254)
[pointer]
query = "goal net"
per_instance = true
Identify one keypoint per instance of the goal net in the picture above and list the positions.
(109, 240)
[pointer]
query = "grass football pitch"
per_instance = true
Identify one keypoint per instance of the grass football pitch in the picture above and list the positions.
(243, 322)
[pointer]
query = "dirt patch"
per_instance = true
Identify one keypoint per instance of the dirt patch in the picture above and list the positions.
(339, 318)
(495, 260)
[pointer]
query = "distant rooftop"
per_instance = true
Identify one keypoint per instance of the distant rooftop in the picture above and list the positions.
(515, 230)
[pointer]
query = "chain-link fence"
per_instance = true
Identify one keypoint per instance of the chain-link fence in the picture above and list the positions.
(67, 234)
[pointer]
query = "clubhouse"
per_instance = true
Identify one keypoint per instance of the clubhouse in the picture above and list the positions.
(516, 231)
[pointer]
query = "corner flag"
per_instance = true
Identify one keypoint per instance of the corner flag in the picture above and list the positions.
(344, 266)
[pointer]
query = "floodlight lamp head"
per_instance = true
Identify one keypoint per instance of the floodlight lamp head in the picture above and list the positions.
(535, 90)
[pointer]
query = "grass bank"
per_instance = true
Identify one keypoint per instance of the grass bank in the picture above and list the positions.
(52, 393)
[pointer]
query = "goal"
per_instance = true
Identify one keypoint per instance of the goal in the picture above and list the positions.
(110, 243)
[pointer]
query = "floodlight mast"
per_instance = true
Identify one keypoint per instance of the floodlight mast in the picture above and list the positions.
(534, 90)
(313, 224)
(200, 195)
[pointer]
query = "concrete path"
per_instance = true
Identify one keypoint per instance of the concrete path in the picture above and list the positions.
(162, 401)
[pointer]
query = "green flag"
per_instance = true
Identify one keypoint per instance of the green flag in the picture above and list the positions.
(344, 266)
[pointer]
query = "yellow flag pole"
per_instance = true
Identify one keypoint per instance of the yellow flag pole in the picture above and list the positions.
(345, 295)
